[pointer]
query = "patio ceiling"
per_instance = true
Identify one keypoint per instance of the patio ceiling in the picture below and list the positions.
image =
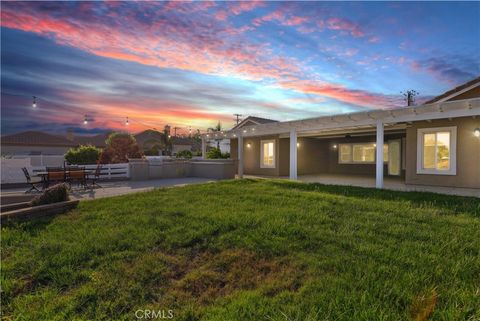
(360, 120)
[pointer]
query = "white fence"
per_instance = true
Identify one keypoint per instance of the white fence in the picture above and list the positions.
(12, 170)
(42, 160)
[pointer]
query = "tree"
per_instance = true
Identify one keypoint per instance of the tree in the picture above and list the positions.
(120, 147)
(83, 155)
(217, 128)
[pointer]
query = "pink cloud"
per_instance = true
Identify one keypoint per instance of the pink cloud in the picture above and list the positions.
(374, 39)
(221, 15)
(341, 93)
(199, 46)
(239, 7)
(345, 25)
(295, 21)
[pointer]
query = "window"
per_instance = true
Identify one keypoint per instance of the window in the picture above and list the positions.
(359, 153)
(345, 155)
(267, 154)
(436, 151)
(363, 153)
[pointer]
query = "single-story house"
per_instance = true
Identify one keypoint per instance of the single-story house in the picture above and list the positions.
(435, 144)
(40, 143)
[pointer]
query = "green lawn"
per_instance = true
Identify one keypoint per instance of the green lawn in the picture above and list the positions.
(249, 250)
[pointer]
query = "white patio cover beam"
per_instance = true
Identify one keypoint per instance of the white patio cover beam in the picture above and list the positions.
(379, 155)
(293, 155)
(450, 109)
(240, 156)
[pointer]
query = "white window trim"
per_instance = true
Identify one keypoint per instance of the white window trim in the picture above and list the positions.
(351, 145)
(453, 151)
(262, 142)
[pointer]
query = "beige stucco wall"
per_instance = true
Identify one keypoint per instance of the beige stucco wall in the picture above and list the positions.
(468, 155)
(315, 156)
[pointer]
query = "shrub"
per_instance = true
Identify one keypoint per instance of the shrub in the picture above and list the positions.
(120, 147)
(154, 151)
(54, 194)
(83, 155)
(184, 154)
(216, 153)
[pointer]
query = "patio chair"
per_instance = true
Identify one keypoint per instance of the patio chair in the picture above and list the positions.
(32, 183)
(95, 176)
(77, 175)
(55, 176)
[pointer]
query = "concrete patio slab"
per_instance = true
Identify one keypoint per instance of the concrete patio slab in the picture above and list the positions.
(116, 188)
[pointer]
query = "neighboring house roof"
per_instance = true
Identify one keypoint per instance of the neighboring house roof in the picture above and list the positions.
(35, 138)
(97, 140)
(252, 120)
(148, 136)
(185, 141)
(459, 92)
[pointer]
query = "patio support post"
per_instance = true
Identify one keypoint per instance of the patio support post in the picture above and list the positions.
(379, 155)
(204, 148)
(240, 155)
(293, 154)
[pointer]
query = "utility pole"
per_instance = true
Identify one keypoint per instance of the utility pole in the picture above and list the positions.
(410, 96)
(237, 117)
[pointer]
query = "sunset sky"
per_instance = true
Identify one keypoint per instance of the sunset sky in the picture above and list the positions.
(197, 63)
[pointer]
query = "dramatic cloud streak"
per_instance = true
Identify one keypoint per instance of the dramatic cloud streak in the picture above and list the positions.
(190, 63)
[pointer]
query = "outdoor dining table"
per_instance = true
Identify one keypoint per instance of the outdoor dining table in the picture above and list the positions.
(44, 175)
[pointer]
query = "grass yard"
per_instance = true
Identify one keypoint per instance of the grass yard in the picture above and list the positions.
(249, 250)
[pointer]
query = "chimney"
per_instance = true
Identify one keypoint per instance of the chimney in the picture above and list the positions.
(70, 134)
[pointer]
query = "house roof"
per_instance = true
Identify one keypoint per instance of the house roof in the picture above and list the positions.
(36, 138)
(252, 120)
(448, 95)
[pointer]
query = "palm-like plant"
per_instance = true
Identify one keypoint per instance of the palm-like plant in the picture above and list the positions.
(217, 128)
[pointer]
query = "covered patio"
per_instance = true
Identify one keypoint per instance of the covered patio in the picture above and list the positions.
(390, 183)
(346, 149)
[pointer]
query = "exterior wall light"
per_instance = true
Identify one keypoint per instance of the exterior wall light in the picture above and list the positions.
(249, 145)
(334, 146)
(476, 132)
(298, 144)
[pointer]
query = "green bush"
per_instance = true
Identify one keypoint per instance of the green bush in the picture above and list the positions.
(216, 153)
(184, 154)
(83, 155)
(54, 194)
